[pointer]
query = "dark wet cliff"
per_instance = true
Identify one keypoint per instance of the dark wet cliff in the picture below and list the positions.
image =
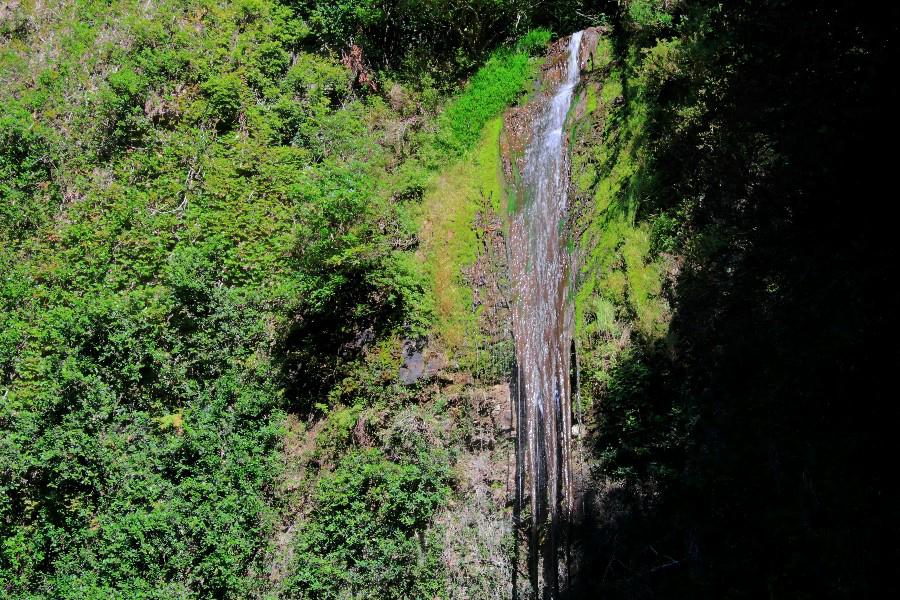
(733, 324)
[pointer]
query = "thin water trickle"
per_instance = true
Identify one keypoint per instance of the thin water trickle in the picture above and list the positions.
(542, 322)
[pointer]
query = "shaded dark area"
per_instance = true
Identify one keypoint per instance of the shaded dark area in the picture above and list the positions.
(439, 40)
(754, 448)
(319, 345)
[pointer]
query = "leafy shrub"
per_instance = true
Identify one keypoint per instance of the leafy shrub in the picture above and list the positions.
(419, 36)
(366, 535)
(248, 11)
(316, 79)
(121, 104)
(498, 83)
(223, 97)
(339, 250)
(649, 13)
(25, 166)
(661, 65)
(341, 20)
(164, 65)
(267, 64)
(663, 234)
(534, 42)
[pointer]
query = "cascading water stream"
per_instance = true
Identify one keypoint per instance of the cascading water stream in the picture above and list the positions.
(542, 324)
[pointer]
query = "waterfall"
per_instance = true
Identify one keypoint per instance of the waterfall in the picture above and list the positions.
(542, 324)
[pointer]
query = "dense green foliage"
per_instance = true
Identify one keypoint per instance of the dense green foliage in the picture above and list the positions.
(361, 541)
(207, 222)
(495, 86)
(426, 37)
(213, 223)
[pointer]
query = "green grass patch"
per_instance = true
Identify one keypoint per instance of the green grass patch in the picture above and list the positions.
(611, 88)
(450, 241)
(622, 274)
(495, 86)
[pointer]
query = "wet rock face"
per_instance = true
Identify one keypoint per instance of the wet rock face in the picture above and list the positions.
(420, 363)
(589, 39)
(413, 366)
(518, 121)
(535, 160)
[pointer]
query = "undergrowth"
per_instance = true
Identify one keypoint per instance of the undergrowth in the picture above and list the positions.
(207, 222)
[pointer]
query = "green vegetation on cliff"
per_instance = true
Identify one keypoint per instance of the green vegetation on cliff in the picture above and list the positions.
(227, 225)
(209, 225)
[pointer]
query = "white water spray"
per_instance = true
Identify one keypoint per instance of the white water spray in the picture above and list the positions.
(542, 322)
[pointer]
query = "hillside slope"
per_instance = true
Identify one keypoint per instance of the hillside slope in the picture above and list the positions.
(215, 263)
(255, 337)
